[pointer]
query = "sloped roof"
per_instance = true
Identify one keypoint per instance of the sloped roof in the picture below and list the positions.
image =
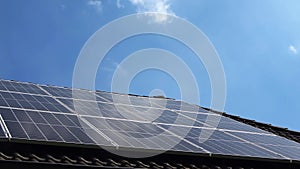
(14, 152)
(280, 131)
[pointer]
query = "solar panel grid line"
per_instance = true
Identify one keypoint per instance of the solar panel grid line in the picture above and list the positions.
(38, 111)
(121, 104)
(132, 112)
(136, 120)
(3, 101)
(204, 123)
(199, 127)
(21, 93)
(20, 101)
(56, 89)
(112, 118)
(49, 131)
(53, 127)
(291, 152)
(67, 107)
(268, 140)
(63, 92)
(32, 101)
(227, 147)
(34, 110)
(27, 136)
(28, 132)
(246, 132)
(67, 135)
(48, 94)
(24, 123)
(99, 132)
(4, 128)
(97, 94)
(244, 140)
(16, 86)
(33, 131)
(17, 92)
(208, 152)
(135, 143)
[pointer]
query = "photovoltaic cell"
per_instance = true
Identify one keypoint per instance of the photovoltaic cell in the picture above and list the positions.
(2, 133)
(290, 152)
(84, 107)
(217, 121)
(69, 93)
(130, 121)
(16, 130)
(266, 139)
(35, 102)
(221, 143)
(20, 87)
(58, 92)
(50, 133)
(129, 134)
(42, 126)
(104, 97)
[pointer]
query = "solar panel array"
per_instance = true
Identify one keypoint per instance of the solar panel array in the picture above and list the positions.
(33, 112)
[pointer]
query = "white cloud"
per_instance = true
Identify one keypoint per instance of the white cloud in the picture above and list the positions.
(293, 49)
(119, 5)
(156, 8)
(97, 4)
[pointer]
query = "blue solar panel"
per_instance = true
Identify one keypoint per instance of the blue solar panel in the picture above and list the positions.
(289, 152)
(44, 126)
(20, 87)
(47, 114)
(211, 120)
(58, 92)
(129, 134)
(104, 97)
(16, 130)
(263, 139)
(2, 129)
(221, 143)
(34, 102)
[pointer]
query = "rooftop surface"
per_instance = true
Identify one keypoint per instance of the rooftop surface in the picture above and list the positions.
(35, 116)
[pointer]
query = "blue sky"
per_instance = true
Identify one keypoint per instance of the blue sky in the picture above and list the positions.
(258, 43)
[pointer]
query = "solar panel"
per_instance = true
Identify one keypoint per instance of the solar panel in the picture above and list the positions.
(2, 128)
(20, 87)
(104, 97)
(28, 101)
(209, 120)
(220, 142)
(45, 126)
(47, 114)
(290, 152)
(137, 135)
(263, 140)
(58, 92)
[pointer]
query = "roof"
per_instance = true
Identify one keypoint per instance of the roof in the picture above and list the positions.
(280, 131)
(28, 153)
(13, 155)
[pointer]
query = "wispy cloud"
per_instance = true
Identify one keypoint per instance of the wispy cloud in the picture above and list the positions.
(97, 4)
(156, 8)
(293, 49)
(119, 5)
